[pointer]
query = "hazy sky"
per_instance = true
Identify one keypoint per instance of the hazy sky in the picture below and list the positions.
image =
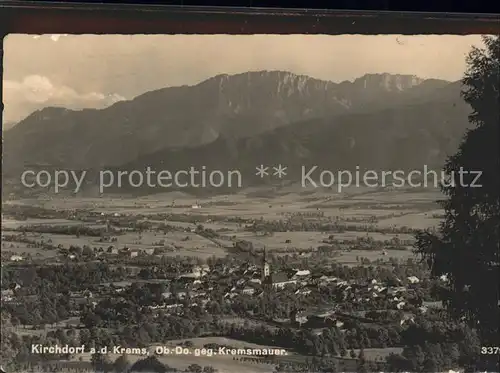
(96, 70)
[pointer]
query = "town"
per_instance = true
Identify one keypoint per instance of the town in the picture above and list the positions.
(352, 295)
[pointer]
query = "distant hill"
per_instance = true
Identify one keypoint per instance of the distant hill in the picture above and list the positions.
(403, 138)
(8, 125)
(223, 108)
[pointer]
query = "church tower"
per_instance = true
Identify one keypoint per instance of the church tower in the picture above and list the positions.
(266, 270)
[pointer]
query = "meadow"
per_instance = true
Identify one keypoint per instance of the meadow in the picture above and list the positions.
(380, 210)
(223, 363)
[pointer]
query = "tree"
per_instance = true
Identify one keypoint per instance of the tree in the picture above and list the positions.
(415, 357)
(7, 348)
(362, 365)
(121, 364)
(343, 351)
(361, 355)
(397, 363)
(150, 364)
(195, 368)
(100, 362)
(466, 247)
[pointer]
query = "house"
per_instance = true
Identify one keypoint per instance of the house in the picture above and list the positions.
(326, 280)
(149, 251)
(173, 306)
(320, 321)
(7, 295)
(413, 280)
(298, 317)
(406, 320)
(423, 309)
(248, 291)
(301, 274)
(200, 271)
(198, 294)
(241, 282)
(106, 236)
(133, 253)
(127, 252)
(157, 307)
(281, 279)
(188, 277)
(400, 305)
(396, 290)
(16, 258)
(433, 305)
(181, 295)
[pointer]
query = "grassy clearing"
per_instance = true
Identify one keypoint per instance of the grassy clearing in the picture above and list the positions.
(20, 248)
(223, 363)
(351, 204)
(349, 257)
(298, 240)
(416, 221)
(380, 353)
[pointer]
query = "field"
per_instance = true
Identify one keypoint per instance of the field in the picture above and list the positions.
(186, 243)
(378, 209)
(223, 363)
(349, 257)
(21, 248)
(379, 353)
(12, 224)
(73, 322)
(251, 323)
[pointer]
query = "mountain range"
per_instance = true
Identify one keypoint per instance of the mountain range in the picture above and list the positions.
(8, 125)
(377, 121)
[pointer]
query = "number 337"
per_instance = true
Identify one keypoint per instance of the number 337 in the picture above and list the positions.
(490, 350)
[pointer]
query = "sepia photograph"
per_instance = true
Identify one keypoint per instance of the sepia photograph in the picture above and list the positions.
(250, 203)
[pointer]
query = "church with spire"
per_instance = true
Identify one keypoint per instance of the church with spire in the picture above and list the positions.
(277, 280)
(266, 271)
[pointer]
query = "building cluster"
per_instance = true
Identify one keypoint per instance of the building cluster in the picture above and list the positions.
(198, 287)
